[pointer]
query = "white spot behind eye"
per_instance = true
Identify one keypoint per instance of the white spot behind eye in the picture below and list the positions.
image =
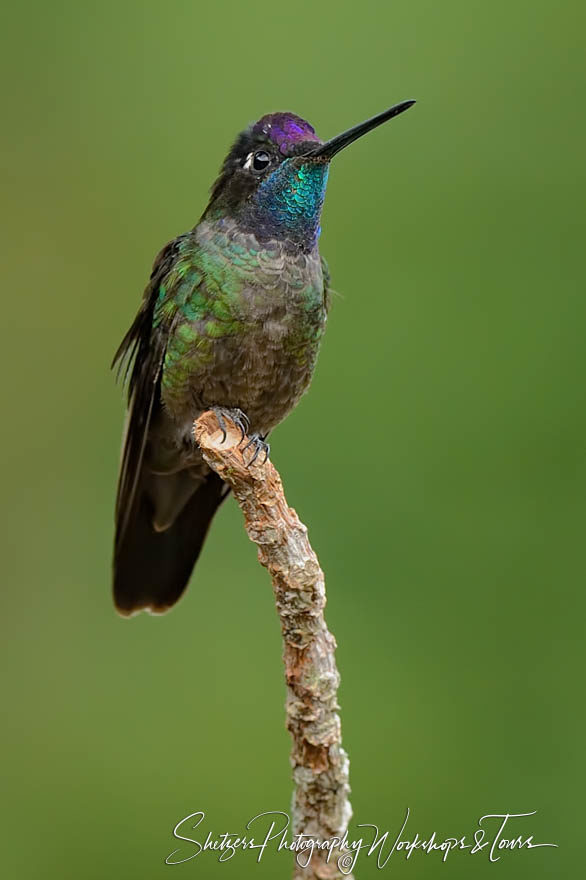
(248, 163)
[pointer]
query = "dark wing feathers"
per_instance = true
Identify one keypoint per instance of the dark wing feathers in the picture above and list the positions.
(152, 568)
(141, 353)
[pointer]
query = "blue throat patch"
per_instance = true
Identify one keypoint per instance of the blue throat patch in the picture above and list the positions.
(288, 204)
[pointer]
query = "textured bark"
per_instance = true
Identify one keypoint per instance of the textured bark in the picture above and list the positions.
(320, 765)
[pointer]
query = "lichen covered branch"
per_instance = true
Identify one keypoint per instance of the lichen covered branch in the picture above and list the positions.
(320, 766)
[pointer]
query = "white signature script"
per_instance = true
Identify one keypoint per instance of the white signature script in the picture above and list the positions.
(496, 834)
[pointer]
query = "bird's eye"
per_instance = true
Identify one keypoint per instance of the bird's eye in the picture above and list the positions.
(261, 160)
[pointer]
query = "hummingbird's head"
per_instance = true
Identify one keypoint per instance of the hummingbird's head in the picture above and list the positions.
(268, 185)
(273, 180)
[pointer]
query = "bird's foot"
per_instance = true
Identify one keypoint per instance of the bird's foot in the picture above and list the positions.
(236, 416)
(258, 445)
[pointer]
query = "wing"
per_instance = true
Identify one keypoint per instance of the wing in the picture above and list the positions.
(141, 353)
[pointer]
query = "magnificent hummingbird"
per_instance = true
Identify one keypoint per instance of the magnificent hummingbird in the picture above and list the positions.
(231, 320)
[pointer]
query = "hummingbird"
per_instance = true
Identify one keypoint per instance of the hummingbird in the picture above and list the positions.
(231, 320)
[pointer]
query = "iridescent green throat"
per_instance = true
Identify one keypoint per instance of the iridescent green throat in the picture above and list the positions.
(288, 204)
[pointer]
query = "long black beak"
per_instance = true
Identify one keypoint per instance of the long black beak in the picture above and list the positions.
(328, 150)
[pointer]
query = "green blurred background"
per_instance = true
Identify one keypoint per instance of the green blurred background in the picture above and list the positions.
(439, 459)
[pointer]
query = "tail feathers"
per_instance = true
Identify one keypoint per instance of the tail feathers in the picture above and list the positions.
(152, 568)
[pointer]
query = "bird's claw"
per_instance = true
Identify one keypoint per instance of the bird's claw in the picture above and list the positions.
(236, 416)
(259, 444)
(256, 442)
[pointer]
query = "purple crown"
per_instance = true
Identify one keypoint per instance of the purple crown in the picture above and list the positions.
(285, 131)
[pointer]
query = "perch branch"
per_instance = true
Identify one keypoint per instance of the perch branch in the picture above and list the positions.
(320, 808)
